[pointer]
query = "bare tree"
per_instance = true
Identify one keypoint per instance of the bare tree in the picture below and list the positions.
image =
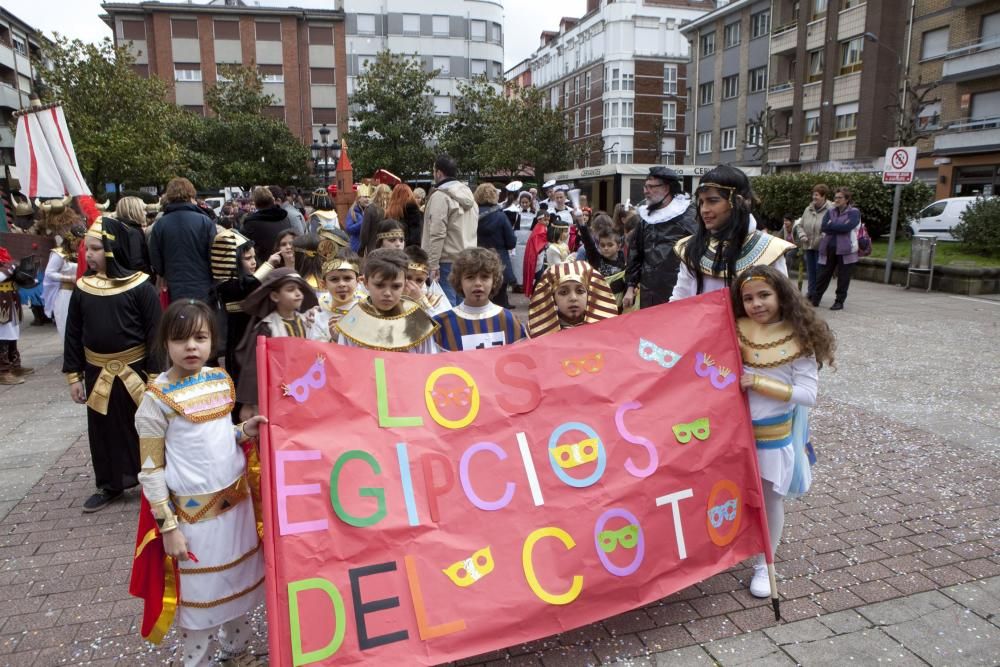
(764, 120)
(917, 97)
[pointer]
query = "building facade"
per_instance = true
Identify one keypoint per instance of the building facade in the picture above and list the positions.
(728, 83)
(300, 53)
(956, 44)
(461, 39)
(619, 75)
(19, 45)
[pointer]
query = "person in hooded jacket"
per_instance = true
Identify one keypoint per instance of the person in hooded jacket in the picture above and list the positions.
(451, 221)
(180, 245)
(495, 232)
(665, 218)
(266, 224)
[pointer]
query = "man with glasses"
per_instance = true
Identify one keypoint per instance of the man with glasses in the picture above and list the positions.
(666, 217)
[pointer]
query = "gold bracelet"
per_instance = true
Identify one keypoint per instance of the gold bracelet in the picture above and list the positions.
(73, 378)
(263, 270)
(240, 433)
(765, 386)
(166, 520)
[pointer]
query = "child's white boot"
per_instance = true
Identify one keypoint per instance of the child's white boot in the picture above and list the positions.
(760, 584)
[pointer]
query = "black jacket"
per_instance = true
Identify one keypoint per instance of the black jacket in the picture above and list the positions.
(495, 232)
(263, 227)
(180, 248)
(652, 262)
(413, 219)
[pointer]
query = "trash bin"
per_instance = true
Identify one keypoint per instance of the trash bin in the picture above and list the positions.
(922, 249)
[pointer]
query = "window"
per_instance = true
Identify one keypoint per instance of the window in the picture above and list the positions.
(847, 120)
(708, 44)
(576, 90)
(607, 116)
(818, 9)
(366, 24)
(586, 89)
(851, 3)
(576, 124)
(184, 28)
(328, 116)
(134, 30)
(477, 31)
(615, 78)
(614, 120)
(628, 114)
(670, 116)
(731, 34)
(477, 68)
(567, 91)
(586, 121)
(760, 24)
(20, 46)
(812, 125)
(755, 134)
(496, 33)
(441, 26)
(731, 86)
(729, 139)
(935, 43)
(187, 72)
(272, 74)
(850, 55)
(317, 34)
(706, 93)
(934, 210)
(815, 65)
(704, 142)
(269, 31)
(628, 81)
(758, 79)
(275, 112)
(442, 63)
(929, 116)
(411, 24)
(670, 79)
(322, 76)
(607, 79)
(442, 104)
(226, 29)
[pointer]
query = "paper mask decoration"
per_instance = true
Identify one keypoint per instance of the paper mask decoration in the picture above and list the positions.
(650, 351)
(575, 454)
(466, 572)
(698, 428)
(592, 363)
(315, 378)
(720, 376)
(625, 537)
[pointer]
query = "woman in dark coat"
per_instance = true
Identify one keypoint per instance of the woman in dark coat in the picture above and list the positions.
(403, 207)
(496, 232)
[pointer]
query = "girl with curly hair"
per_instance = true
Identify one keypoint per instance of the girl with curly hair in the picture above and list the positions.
(783, 345)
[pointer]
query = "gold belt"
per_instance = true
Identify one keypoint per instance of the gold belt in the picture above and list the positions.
(112, 366)
(202, 506)
(7, 286)
(67, 285)
(234, 307)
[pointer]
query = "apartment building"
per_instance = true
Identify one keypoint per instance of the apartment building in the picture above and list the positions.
(834, 76)
(300, 53)
(619, 74)
(461, 39)
(19, 44)
(956, 43)
(728, 82)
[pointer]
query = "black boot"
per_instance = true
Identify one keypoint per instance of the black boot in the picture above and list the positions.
(39, 316)
(837, 305)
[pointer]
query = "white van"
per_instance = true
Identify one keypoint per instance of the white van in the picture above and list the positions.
(939, 218)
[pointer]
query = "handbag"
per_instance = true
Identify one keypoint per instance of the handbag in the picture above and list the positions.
(864, 241)
(26, 272)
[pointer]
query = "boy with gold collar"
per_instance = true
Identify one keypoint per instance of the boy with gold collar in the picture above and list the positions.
(340, 275)
(112, 320)
(387, 320)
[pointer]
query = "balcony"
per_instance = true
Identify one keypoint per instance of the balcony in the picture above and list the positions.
(781, 96)
(780, 153)
(6, 137)
(977, 60)
(811, 95)
(784, 38)
(815, 34)
(852, 22)
(969, 136)
(807, 152)
(842, 149)
(847, 88)
(9, 97)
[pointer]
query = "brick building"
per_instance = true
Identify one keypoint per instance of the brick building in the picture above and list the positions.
(619, 75)
(299, 52)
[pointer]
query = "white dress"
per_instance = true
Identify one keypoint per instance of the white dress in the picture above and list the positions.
(203, 457)
(55, 296)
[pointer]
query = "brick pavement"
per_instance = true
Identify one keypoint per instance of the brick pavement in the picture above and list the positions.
(897, 539)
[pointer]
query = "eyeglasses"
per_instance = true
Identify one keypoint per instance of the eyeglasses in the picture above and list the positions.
(647, 186)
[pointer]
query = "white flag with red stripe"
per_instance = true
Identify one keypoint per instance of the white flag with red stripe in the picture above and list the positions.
(47, 165)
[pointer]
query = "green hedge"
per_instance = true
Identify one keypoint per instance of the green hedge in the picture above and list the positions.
(792, 192)
(979, 230)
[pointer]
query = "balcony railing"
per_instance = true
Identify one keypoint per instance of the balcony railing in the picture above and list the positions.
(781, 96)
(973, 124)
(968, 135)
(973, 60)
(784, 38)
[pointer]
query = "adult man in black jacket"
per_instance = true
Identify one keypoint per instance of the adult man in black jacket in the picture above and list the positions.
(180, 245)
(264, 225)
(665, 218)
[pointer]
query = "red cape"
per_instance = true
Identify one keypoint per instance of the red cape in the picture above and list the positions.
(536, 242)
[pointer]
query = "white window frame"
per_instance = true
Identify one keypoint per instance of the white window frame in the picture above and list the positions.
(706, 93)
(757, 80)
(852, 55)
(187, 74)
(586, 89)
(474, 27)
(576, 90)
(628, 81)
(586, 121)
(704, 143)
(760, 24)
(442, 63)
(496, 33)
(731, 87)
(812, 122)
(669, 79)
(473, 68)
(19, 45)
(848, 127)
(755, 134)
(731, 35)
(411, 30)
(366, 18)
(439, 105)
(938, 46)
(628, 114)
(728, 139)
(616, 73)
(706, 44)
(669, 116)
(436, 26)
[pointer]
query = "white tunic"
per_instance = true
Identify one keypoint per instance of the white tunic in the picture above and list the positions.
(56, 298)
(687, 284)
(204, 458)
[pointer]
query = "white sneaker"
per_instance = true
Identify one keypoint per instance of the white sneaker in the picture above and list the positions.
(760, 585)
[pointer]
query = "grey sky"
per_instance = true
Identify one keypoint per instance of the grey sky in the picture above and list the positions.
(524, 19)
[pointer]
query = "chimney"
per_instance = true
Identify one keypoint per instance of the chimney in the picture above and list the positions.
(593, 5)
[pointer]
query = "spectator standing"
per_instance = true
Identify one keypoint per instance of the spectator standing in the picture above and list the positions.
(838, 248)
(180, 245)
(494, 232)
(808, 232)
(132, 212)
(356, 216)
(451, 221)
(420, 195)
(264, 225)
(374, 214)
(295, 218)
(403, 207)
(324, 213)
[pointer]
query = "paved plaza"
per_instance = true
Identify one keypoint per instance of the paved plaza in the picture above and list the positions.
(892, 558)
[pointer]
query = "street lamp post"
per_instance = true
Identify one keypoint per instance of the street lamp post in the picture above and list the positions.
(324, 147)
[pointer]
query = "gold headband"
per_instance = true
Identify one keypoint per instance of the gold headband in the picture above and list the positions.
(396, 234)
(719, 186)
(414, 266)
(308, 253)
(341, 265)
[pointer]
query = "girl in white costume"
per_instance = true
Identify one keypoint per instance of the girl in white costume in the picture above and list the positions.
(194, 476)
(60, 277)
(783, 346)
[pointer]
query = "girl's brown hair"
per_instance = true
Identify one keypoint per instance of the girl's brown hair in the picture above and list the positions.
(814, 335)
(400, 197)
(181, 320)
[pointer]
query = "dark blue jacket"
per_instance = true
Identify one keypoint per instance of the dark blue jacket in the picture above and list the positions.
(180, 250)
(496, 232)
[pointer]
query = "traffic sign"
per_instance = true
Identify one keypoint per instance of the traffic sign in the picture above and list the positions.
(899, 164)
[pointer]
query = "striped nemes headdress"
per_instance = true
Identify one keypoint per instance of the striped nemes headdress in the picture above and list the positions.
(226, 255)
(543, 318)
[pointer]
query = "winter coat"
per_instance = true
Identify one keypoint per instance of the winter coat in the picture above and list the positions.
(369, 223)
(180, 249)
(355, 218)
(652, 263)
(841, 228)
(263, 227)
(810, 224)
(495, 232)
(295, 218)
(451, 221)
(413, 220)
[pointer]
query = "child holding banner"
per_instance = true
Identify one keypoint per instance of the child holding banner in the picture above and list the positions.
(569, 295)
(477, 323)
(196, 497)
(387, 320)
(783, 346)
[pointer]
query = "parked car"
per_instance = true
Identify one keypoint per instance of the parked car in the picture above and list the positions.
(939, 218)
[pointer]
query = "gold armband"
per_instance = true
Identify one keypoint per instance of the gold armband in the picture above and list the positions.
(241, 435)
(73, 378)
(166, 520)
(263, 270)
(765, 386)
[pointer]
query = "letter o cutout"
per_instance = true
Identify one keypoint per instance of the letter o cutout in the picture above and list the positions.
(602, 456)
(640, 547)
(724, 537)
(432, 407)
